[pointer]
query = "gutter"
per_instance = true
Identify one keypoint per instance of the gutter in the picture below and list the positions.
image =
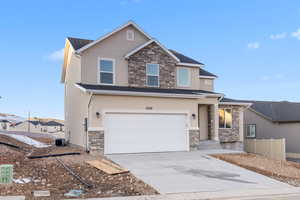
(149, 94)
(87, 148)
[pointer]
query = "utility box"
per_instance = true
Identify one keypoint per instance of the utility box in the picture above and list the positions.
(6, 174)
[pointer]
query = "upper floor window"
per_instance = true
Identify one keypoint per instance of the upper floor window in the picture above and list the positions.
(251, 130)
(106, 70)
(130, 35)
(183, 77)
(152, 73)
(225, 118)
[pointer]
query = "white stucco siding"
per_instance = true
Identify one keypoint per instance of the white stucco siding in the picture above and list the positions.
(75, 103)
(115, 47)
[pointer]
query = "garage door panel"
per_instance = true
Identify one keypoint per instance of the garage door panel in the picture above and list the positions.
(133, 133)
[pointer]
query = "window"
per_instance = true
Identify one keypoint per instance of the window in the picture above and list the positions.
(251, 130)
(106, 68)
(152, 72)
(130, 35)
(183, 77)
(225, 118)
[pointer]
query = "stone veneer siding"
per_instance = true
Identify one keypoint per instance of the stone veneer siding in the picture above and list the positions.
(231, 134)
(156, 55)
(194, 139)
(96, 141)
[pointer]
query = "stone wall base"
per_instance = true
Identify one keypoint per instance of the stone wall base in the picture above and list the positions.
(194, 139)
(238, 146)
(96, 142)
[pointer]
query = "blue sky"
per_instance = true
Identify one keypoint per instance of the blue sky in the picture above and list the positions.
(253, 46)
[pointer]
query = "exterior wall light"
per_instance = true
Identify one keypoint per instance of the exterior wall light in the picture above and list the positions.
(98, 115)
(194, 116)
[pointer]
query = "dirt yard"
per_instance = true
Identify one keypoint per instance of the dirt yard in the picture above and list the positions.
(284, 171)
(48, 174)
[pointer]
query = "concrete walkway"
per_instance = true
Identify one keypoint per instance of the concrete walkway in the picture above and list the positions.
(184, 172)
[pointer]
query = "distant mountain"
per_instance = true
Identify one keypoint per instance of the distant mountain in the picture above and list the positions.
(11, 118)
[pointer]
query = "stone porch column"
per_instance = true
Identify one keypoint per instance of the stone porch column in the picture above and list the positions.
(215, 122)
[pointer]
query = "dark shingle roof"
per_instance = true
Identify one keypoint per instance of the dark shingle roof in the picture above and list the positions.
(53, 123)
(184, 58)
(144, 89)
(277, 111)
(203, 72)
(77, 43)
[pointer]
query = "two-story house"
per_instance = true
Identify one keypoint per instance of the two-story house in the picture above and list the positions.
(127, 93)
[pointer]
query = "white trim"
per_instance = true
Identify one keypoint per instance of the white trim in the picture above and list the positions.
(153, 75)
(125, 93)
(81, 88)
(193, 129)
(146, 44)
(128, 32)
(189, 64)
(150, 94)
(95, 129)
(113, 72)
(189, 77)
(111, 33)
(235, 103)
(208, 77)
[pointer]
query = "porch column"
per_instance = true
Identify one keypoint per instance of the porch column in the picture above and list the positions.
(215, 122)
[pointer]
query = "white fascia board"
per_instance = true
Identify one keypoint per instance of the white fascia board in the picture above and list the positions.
(146, 44)
(235, 103)
(150, 94)
(146, 94)
(111, 33)
(189, 64)
(208, 77)
(81, 88)
(138, 48)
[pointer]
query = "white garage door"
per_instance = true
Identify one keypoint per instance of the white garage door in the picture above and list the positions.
(134, 133)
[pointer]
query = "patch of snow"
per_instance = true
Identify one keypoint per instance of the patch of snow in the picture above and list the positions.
(27, 140)
(22, 180)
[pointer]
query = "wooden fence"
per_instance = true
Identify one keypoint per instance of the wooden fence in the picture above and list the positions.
(271, 148)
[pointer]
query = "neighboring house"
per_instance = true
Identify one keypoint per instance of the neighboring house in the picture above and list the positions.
(31, 126)
(38, 126)
(266, 120)
(127, 93)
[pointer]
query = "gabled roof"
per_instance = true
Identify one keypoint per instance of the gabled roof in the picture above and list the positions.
(77, 43)
(276, 111)
(148, 43)
(129, 23)
(205, 73)
(185, 59)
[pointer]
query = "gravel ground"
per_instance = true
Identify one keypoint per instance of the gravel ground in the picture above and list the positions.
(48, 174)
(284, 171)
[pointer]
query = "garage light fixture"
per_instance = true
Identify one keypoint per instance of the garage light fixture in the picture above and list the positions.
(194, 116)
(98, 115)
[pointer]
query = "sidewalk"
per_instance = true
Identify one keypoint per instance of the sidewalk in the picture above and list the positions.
(261, 194)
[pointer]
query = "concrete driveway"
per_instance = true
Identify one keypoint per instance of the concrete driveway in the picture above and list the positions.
(177, 172)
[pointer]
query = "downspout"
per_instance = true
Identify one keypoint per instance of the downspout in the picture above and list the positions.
(87, 148)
